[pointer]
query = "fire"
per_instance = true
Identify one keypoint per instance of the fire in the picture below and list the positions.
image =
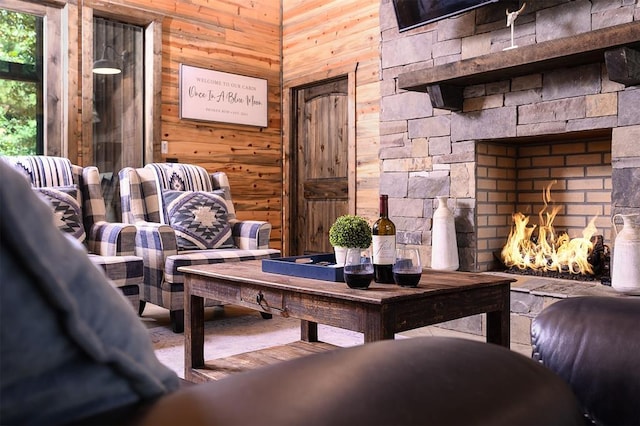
(547, 252)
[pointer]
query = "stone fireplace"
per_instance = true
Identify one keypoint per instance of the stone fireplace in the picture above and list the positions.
(461, 117)
(490, 128)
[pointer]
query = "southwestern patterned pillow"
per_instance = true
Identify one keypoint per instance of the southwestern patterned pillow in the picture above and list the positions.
(65, 201)
(199, 219)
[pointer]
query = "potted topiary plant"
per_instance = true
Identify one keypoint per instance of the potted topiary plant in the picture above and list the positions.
(349, 231)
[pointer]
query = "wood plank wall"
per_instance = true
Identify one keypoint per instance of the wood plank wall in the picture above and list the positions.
(234, 36)
(327, 38)
(318, 39)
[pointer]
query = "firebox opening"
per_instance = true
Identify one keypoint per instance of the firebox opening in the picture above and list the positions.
(511, 177)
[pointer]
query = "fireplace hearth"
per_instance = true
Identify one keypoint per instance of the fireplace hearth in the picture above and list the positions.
(560, 275)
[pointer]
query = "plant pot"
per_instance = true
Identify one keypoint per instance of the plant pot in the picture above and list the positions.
(341, 254)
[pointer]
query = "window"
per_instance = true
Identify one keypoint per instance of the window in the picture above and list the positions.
(71, 114)
(120, 112)
(21, 84)
(118, 103)
(34, 77)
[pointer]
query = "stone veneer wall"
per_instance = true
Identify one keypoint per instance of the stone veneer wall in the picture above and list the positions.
(426, 152)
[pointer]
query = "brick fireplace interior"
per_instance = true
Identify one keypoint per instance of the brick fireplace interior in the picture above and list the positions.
(512, 175)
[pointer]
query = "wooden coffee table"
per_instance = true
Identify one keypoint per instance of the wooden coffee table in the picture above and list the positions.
(379, 312)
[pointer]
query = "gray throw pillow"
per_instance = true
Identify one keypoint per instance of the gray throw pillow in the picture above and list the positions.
(199, 219)
(67, 214)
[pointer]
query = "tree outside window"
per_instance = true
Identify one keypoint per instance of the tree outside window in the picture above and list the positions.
(21, 83)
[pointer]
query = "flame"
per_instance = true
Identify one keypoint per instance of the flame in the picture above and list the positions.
(547, 252)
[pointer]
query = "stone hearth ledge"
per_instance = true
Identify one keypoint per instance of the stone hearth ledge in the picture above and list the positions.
(556, 287)
(529, 296)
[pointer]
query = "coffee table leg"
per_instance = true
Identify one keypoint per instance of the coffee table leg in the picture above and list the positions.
(193, 334)
(499, 322)
(308, 331)
(378, 326)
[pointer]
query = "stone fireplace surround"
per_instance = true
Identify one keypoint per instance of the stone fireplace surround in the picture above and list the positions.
(510, 138)
(426, 151)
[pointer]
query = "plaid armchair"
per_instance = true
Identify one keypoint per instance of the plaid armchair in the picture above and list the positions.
(75, 195)
(185, 216)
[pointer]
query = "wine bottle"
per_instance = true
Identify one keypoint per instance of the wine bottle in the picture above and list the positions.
(384, 244)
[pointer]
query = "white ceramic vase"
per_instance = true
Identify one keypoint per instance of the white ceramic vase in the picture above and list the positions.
(444, 246)
(625, 269)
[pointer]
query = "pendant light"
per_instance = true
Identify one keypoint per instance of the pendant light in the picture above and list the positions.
(106, 66)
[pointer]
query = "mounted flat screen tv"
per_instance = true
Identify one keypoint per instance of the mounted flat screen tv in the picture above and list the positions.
(413, 13)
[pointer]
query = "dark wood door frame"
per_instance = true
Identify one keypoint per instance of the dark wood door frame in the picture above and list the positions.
(320, 184)
(289, 89)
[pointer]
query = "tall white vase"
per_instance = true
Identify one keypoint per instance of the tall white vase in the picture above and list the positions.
(444, 246)
(625, 270)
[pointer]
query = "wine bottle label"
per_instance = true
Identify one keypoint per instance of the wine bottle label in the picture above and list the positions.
(384, 249)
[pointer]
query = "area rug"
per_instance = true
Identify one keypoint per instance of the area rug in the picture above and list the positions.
(231, 330)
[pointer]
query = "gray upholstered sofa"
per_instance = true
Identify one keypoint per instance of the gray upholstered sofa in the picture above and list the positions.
(75, 194)
(169, 203)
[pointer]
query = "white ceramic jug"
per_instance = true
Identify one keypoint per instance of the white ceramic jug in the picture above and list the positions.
(625, 271)
(444, 246)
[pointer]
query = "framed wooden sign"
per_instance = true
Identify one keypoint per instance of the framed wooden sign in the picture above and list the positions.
(219, 96)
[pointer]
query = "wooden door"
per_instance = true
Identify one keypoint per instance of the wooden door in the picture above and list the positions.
(320, 185)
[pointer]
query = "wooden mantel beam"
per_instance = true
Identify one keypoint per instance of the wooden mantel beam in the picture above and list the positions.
(565, 52)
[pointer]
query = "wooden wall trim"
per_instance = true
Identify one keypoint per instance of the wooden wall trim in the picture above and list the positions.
(134, 15)
(25, 6)
(68, 66)
(320, 75)
(56, 77)
(85, 145)
(39, 3)
(287, 127)
(351, 141)
(72, 130)
(153, 92)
